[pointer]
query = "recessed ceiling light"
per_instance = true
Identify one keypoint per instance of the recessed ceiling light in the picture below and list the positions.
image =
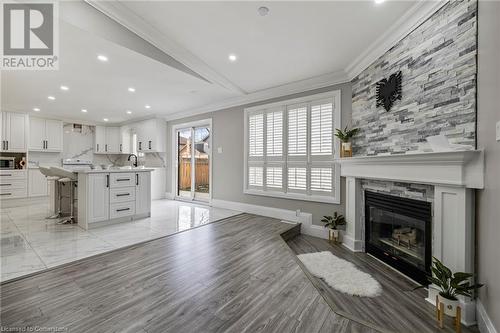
(129, 112)
(102, 58)
(36, 109)
(106, 119)
(65, 88)
(84, 110)
(232, 57)
(131, 89)
(379, 1)
(147, 106)
(51, 98)
(263, 11)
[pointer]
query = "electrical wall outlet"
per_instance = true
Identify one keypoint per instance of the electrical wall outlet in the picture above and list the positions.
(498, 130)
(219, 150)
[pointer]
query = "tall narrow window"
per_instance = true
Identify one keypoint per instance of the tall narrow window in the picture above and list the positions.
(290, 149)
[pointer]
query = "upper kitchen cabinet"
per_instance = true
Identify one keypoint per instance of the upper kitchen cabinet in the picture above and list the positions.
(125, 139)
(107, 140)
(151, 135)
(45, 135)
(13, 131)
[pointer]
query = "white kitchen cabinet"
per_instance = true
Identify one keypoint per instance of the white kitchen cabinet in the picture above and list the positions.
(100, 140)
(13, 184)
(151, 135)
(13, 131)
(125, 140)
(142, 193)
(37, 183)
(98, 197)
(45, 135)
(107, 140)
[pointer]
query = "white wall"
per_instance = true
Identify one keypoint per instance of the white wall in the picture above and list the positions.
(228, 167)
(488, 200)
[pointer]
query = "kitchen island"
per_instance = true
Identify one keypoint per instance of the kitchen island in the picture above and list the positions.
(113, 196)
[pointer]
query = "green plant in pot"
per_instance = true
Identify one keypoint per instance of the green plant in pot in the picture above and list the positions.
(332, 222)
(345, 136)
(450, 285)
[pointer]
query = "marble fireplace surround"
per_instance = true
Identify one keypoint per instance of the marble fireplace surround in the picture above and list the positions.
(453, 175)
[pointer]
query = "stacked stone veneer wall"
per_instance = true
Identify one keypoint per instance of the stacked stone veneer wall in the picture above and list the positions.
(438, 63)
(405, 190)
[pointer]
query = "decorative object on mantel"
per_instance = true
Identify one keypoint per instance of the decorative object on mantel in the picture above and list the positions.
(332, 222)
(440, 143)
(345, 136)
(450, 285)
(389, 90)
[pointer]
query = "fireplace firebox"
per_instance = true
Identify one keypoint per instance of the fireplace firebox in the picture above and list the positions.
(398, 232)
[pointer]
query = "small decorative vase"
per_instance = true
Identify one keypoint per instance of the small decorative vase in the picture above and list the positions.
(450, 306)
(346, 149)
(333, 236)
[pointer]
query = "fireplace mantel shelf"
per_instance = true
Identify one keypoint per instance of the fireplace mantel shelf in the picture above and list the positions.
(460, 168)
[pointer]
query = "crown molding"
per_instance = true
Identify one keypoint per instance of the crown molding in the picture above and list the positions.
(313, 83)
(139, 26)
(410, 20)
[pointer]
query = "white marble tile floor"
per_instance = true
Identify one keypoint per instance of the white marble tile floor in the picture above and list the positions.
(31, 243)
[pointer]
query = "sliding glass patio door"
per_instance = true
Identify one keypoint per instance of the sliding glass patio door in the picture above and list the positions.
(193, 163)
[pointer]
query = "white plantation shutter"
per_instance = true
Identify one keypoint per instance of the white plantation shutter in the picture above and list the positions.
(297, 179)
(274, 129)
(297, 131)
(290, 149)
(322, 129)
(256, 135)
(321, 179)
(255, 176)
(274, 177)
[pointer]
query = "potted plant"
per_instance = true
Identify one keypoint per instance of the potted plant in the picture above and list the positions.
(450, 286)
(345, 137)
(332, 222)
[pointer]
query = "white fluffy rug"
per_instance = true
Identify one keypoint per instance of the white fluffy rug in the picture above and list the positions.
(341, 274)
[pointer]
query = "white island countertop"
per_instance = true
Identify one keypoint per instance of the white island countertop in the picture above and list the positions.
(116, 170)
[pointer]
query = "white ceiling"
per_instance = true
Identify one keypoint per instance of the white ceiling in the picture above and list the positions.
(295, 42)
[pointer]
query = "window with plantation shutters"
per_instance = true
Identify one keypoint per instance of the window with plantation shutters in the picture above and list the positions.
(291, 151)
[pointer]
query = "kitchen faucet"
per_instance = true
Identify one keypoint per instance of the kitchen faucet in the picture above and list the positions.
(135, 161)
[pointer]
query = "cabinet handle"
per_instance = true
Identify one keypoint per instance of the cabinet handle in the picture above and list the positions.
(5, 193)
(136, 179)
(7, 144)
(120, 147)
(107, 180)
(122, 209)
(6, 175)
(3, 145)
(97, 147)
(46, 144)
(106, 147)
(5, 184)
(149, 144)
(140, 145)
(123, 179)
(122, 194)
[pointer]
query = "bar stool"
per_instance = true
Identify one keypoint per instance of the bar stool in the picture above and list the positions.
(49, 175)
(67, 177)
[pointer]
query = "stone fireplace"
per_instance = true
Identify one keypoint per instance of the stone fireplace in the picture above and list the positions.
(443, 182)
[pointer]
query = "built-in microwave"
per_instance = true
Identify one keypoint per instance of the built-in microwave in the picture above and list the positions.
(7, 162)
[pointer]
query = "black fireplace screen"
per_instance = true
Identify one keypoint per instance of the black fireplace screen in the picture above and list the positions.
(398, 231)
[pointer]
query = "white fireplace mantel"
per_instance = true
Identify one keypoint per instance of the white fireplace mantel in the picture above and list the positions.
(459, 168)
(453, 174)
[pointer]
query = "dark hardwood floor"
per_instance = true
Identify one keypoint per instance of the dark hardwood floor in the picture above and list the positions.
(398, 309)
(236, 275)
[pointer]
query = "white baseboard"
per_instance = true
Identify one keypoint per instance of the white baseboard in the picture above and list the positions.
(484, 322)
(283, 214)
(352, 244)
(169, 196)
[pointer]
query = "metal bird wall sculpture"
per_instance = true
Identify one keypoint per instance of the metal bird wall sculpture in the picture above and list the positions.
(389, 90)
